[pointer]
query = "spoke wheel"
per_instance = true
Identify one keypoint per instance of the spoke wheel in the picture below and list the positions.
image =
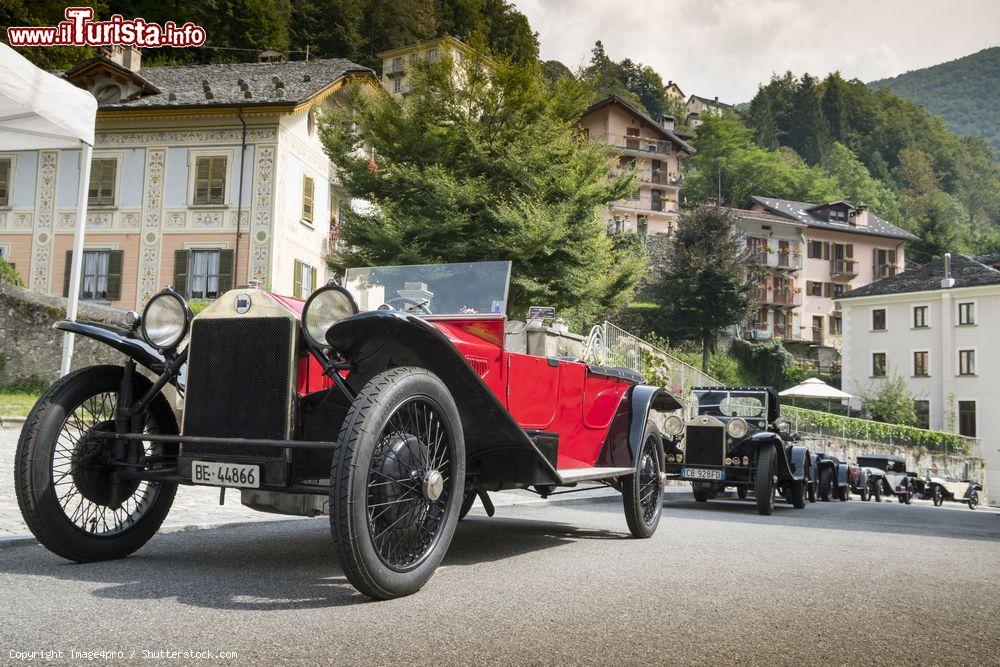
(642, 492)
(764, 483)
(64, 478)
(397, 482)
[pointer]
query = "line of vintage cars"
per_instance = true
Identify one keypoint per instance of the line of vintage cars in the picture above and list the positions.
(389, 403)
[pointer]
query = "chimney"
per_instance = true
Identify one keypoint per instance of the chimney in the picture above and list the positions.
(271, 56)
(667, 121)
(132, 59)
(947, 282)
(861, 216)
(716, 99)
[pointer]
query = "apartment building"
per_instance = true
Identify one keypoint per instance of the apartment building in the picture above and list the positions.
(698, 107)
(397, 64)
(203, 177)
(649, 147)
(814, 253)
(936, 327)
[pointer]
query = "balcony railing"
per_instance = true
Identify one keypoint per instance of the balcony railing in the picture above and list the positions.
(776, 297)
(778, 260)
(647, 204)
(395, 69)
(670, 179)
(641, 144)
(884, 270)
(843, 268)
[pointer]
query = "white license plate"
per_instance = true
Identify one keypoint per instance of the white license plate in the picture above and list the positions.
(214, 473)
(701, 473)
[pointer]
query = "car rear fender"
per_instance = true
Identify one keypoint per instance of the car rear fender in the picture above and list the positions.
(497, 449)
(122, 340)
(842, 479)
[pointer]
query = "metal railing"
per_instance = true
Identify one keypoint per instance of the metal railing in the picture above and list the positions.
(643, 144)
(647, 204)
(778, 260)
(843, 267)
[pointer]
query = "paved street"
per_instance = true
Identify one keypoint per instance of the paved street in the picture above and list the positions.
(546, 583)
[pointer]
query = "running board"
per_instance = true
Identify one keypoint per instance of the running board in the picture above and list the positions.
(574, 475)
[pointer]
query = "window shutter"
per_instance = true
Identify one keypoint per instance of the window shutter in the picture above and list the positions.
(297, 280)
(181, 258)
(66, 275)
(115, 260)
(763, 316)
(875, 257)
(849, 251)
(827, 289)
(226, 258)
(892, 257)
(826, 250)
(312, 281)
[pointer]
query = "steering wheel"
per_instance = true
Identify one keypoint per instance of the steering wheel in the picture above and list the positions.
(407, 305)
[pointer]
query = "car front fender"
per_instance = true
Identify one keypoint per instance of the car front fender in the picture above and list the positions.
(644, 399)
(792, 459)
(842, 478)
(120, 339)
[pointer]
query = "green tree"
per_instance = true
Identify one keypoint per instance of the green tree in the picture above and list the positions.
(706, 282)
(858, 186)
(9, 275)
(634, 82)
(491, 169)
(891, 402)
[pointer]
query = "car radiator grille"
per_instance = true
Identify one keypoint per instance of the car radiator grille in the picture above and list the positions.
(704, 445)
(239, 384)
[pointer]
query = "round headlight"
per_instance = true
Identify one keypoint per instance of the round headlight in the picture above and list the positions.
(673, 425)
(737, 428)
(165, 320)
(327, 306)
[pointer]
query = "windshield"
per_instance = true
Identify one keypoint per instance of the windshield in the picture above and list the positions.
(432, 289)
(747, 404)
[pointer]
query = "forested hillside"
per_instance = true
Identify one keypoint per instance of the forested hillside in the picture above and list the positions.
(966, 92)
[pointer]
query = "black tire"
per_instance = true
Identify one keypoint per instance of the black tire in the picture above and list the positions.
(973, 500)
(43, 498)
(642, 492)
(937, 496)
(865, 493)
(741, 492)
(763, 487)
(825, 484)
(378, 467)
(908, 497)
(467, 501)
(796, 494)
(844, 493)
(877, 490)
(811, 487)
(700, 496)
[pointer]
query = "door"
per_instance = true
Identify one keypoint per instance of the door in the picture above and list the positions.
(532, 390)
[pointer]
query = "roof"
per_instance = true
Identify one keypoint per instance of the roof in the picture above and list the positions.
(237, 84)
(454, 41)
(615, 99)
(745, 214)
(804, 212)
(966, 271)
(711, 102)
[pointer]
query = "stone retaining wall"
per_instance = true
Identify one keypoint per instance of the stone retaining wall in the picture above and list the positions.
(30, 349)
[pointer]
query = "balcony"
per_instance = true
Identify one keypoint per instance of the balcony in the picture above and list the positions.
(640, 145)
(843, 268)
(646, 205)
(776, 297)
(790, 261)
(669, 179)
(396, 69)
(884, 271)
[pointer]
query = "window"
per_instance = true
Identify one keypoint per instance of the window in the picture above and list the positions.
(838, 215)
(966, 313)
(836, 325)
(102, 182)
(397, 65)
(878, 319)
(878, 364)
(921, 366)
(204, 274)
(814, 250)
(837, 289)
(432, 54)
(5, 169)
(210, 180)
(966, 362)
(642, 225)
(967, 418)
(308, 193)
(304, 280)
(920, 317)
(100, 275)
(397, 85)
(923, 409)
(814, 288)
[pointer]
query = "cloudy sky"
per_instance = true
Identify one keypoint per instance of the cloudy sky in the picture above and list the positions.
(726, 47)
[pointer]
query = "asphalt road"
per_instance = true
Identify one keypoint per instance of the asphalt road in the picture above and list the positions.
(857, 583)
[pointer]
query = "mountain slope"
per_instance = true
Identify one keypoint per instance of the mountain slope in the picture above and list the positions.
(965, 91)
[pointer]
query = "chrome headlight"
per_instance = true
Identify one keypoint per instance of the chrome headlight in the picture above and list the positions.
(327, 306)
(673, 425)
(737, 428)
(165, 320)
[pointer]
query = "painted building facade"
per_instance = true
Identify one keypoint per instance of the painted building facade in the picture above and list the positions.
(936, 329)
(203, 178)
(650, 148)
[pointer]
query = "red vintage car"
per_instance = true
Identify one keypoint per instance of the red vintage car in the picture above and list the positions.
(391, 420)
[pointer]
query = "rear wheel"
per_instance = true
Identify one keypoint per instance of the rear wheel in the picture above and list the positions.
(397, 482)
(741, 492)
(796, 494)
(938, 497)
(865, 495)
(844, 493)
(63, 478)
(908, 497)
(825, 484)
(764, 481)
(642, 492)
(877, 491)
(973, 500)
(811, 490)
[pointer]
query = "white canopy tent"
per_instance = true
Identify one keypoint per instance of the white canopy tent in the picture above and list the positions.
(39, 111)
(816, 388)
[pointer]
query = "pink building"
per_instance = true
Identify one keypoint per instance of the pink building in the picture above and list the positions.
(648, 146)
(815, 253)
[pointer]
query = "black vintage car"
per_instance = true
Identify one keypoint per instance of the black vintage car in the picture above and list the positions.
(834, 480)
(735, 441)
(886, 476)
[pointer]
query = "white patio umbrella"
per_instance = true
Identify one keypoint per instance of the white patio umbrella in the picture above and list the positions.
(40, 111)
(816, 388)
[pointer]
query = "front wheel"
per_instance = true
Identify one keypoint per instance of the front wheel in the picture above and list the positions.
(973, 500)
(397, 482)
(797, 494)
(764, 482)
(825, 484)
(877, 491)
(741, 492)
(64, 477)
(865, 494)
(938, 497)
(642, 492)
(844, 493)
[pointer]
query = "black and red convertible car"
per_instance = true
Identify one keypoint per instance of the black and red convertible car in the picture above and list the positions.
(390, 403)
